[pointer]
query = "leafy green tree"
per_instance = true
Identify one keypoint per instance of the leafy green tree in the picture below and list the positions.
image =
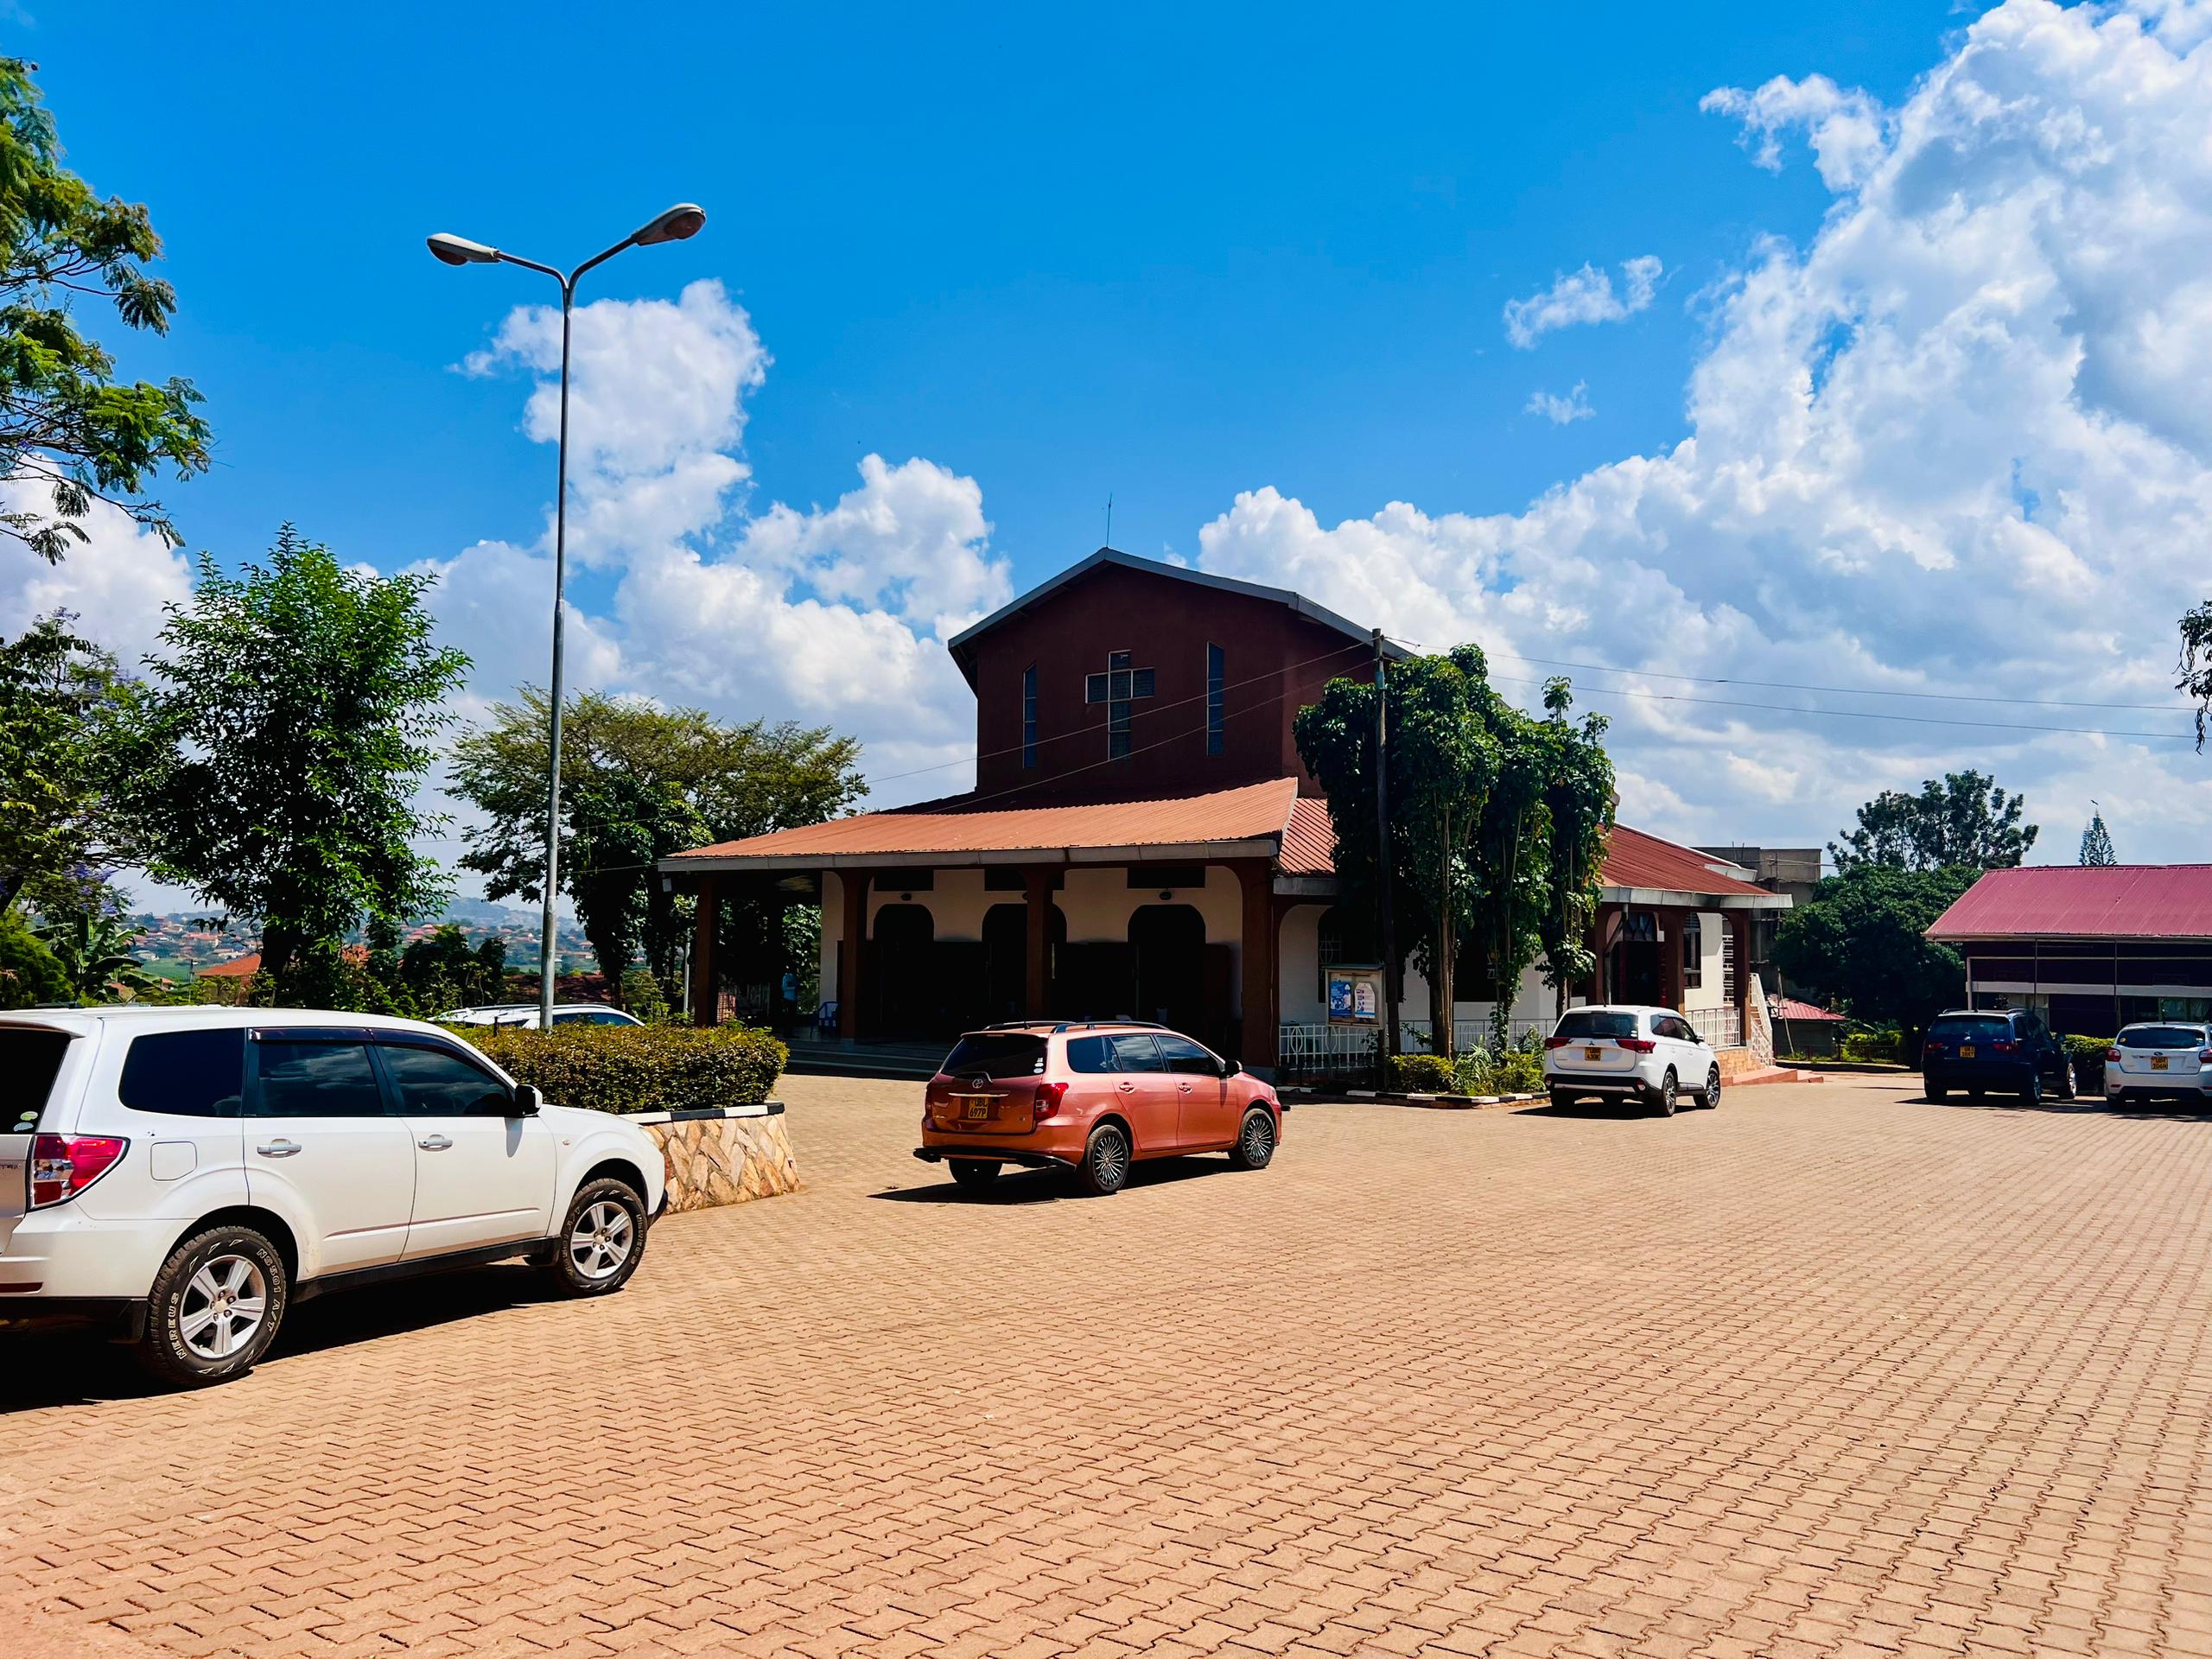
(2096, 840)
(276, 765)
(1966, 820)
(2195, 667)
(637, 784)
(1860, 941)
(92, 945)
(60, 700)
(1579, 795)
(67, 428)
(29, 974)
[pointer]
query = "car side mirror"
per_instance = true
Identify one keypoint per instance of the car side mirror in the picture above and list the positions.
(527, 1100)
(1231, 1068)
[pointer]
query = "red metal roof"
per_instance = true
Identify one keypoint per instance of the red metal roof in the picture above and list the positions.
(1788, 1008)
(2095, 901)
(1309, 845)
(1255, 812)
(1634, 858)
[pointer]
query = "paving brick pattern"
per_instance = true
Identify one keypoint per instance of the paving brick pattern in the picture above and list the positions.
(1830, 1370)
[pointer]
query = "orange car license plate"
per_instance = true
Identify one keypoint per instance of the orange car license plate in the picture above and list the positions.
(2157, 1062)
(1966, 1051)
(1589, 1053)
(977, 1112)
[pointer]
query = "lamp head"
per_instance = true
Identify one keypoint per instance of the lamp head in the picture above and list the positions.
(678, 223)
(459, 251)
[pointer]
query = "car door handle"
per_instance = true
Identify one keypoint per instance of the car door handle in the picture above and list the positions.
(279, 1148)
(434, 1143)
(1127, 1087)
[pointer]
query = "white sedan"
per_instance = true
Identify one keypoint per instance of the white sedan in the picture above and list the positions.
(1624, 1051)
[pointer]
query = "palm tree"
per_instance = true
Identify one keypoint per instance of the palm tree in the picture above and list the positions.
(94, 951)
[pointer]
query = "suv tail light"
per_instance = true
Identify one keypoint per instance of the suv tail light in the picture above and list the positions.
(62, 1165)
(2113, 1053)
(2204, 1056)
(1046, 1100)
(1557, 1042)
(2005, 1046)
(1931, 1046)
(1637, 1045)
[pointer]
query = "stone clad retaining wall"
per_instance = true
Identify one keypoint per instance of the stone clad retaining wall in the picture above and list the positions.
(730, 1156)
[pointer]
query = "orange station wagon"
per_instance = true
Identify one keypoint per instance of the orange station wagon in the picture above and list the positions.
(1093, 1097)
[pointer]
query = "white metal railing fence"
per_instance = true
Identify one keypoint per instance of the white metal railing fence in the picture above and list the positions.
(1721, 1027)
(1326, 1051)
(1473, 1033)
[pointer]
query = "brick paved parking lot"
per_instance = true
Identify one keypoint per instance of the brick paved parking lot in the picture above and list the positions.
(1830, 1370)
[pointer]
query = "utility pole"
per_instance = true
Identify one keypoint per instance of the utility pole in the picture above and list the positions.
(1384, 926)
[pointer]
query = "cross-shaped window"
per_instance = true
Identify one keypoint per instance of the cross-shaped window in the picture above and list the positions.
(1118, 687)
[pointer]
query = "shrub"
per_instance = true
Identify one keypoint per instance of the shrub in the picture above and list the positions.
(1873, 1047)
(2088, 1054)
(1520, 1072)
(638, 1068)
(1473, 1071)
(1422, 1074)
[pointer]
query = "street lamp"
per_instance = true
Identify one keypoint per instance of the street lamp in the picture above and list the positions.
(678, 223)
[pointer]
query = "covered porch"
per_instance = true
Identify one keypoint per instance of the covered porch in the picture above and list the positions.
(934, 922)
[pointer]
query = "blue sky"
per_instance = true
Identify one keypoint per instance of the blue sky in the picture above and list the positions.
(1157, 252)
(1882, 375)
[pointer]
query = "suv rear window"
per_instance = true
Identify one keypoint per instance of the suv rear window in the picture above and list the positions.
(997, 1054)
(34, 1058)
(2160, 1037)
(184, 1073)
(1985, 1027)
(1595, 1022)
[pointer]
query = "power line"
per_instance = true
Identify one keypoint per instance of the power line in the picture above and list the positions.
(1841, 690)
(1843, 714)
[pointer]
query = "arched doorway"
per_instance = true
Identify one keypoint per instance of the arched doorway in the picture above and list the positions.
(1167, 944)
(908, 992)
(1006, 958)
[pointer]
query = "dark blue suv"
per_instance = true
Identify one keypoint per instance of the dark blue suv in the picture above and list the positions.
(2008, 1050)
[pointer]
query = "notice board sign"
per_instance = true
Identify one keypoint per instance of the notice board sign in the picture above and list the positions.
(1354, 994)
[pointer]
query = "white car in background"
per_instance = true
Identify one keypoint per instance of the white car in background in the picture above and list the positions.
(1624, 1051)
(2162, 1059)
(524, 1015)
(182, 1176)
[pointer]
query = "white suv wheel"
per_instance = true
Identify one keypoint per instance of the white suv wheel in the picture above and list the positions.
(222, 1307)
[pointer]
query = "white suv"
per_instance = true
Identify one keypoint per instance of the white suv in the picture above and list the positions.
(182, 1175)
(1624, 1050)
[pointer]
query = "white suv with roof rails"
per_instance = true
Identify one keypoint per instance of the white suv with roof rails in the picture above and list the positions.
(183, 1175)
(1630, 1050)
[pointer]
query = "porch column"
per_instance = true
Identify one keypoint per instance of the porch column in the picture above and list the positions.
(1669, 923)
(1596, 991)
(1256, 882)
(1739, 933)
(854, 884)
(706, 994)
(1037, 893)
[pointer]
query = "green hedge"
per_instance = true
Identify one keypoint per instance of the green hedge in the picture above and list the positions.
(638, 1068)
(2088, 1054)
(1422, 1074)
(1867, 1047)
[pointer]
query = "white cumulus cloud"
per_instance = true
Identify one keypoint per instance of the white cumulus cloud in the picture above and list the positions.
(1954, 445)
(1583, 296)
(1559, 410)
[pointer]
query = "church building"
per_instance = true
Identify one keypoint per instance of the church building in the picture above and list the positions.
(1143, 843)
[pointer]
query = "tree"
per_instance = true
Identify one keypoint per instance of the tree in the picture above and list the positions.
(1966, 820)
(637, 784)
(1497, 822)
(2096, 840)
(1860, 940)
(275, 769)
(67, 427)
(29, 974)
(60, 700)
(93, 946)
(1578, 800)
(2194, 666)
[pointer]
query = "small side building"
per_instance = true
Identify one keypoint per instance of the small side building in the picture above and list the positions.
(2089, 948)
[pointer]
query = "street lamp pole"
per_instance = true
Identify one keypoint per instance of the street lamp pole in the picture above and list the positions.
(678, 223)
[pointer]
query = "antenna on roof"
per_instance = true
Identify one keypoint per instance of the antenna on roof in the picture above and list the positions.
(1110, 518)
